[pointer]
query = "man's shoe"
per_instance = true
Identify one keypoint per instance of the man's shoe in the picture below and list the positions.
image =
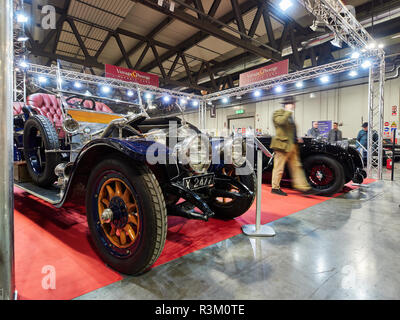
(310, 192)
(279, 192)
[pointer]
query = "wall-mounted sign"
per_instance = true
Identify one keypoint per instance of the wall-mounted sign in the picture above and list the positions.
(131, 75)
(324, 127)
(267, 72)
(240, 111)
(394, 110)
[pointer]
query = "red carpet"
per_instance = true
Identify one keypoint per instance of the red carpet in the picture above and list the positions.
(45, 236)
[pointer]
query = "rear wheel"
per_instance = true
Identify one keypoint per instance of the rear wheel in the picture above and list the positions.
(126, 215)
(324, 174)
(39, 136)
(232, 207)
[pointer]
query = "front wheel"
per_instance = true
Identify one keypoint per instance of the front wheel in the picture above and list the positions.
(232, 207)
(324, 174)
(126, 215)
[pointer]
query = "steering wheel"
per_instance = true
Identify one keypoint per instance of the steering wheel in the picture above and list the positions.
(80, 102)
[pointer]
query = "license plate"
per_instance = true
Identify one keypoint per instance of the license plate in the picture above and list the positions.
(198, 182)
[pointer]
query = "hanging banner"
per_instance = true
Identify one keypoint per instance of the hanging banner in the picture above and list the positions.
(267, 72)
(126, 74)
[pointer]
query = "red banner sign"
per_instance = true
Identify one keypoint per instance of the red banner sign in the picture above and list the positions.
(131, 75)
(267, 72)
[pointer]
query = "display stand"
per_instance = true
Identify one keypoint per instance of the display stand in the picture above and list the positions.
(259, 230)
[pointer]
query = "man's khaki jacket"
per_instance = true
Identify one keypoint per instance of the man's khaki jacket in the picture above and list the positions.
(284, 131)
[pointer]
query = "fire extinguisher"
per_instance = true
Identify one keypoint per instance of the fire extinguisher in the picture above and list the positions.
(389, 164)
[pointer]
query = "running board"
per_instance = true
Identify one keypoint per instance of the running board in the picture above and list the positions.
(50, 195)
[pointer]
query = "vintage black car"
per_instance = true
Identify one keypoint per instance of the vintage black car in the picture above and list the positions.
(80, 152)
(328, 167)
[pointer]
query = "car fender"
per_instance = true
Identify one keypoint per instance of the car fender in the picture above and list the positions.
(134, 150)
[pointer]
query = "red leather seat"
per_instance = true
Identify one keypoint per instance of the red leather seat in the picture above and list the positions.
(17, 108)
(49, 106)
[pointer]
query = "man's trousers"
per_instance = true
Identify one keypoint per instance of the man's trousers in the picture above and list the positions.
(292, 158)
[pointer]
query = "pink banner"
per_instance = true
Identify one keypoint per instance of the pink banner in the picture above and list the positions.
(267, 72)
(131, 75)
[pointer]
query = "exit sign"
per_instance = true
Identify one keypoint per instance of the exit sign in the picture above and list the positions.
(241, 111)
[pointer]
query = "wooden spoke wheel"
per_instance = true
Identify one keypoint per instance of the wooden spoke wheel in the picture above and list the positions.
(123, 228)
(126, 214)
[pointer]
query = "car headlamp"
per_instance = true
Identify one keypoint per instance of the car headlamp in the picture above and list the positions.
(70, 126)
(236, 149)
(195, 153)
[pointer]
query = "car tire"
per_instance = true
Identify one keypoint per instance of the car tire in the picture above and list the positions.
(235, 208)
(39, 136)
(143, 211)
(332, 172)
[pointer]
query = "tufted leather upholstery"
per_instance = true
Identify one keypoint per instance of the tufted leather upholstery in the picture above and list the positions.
(17, 108)
(49, 106)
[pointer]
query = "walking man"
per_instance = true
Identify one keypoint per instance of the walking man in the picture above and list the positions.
(286, 149)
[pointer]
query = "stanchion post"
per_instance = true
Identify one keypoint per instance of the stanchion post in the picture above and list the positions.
(7, 285)
(393, 152)
(259, 184)
(258, 230)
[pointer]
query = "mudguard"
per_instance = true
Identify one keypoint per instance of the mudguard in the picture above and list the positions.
(94, 151)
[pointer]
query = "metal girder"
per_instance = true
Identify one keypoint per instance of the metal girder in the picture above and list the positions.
(211, 29)
(200, 36)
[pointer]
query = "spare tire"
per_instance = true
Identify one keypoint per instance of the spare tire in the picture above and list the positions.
(324, 174)
(39, 136)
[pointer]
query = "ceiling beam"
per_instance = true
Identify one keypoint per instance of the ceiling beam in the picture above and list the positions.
(200, 36)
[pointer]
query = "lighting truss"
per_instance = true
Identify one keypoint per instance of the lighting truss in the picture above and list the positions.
(51, 72)
(307, 74)
(375, 119)
(340, 20)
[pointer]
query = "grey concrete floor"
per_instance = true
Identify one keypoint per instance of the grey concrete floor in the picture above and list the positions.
(344, 248)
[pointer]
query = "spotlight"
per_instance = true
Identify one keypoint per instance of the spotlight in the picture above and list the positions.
(77, 84)
(381, 46)
(238, 97)
(130, 93)
(22, 37)
(299, 84)
(23, 64)
(285, 4)
(355, 55)
(278, 89)
(22, 17)
(324, 79)
(257, 93)
(148, 96)
(166, 99)
(318, 26)
(105, 89)
(371, 45)
(42, 79)
(353, 73)
(337, 42)
(183, 101)
(366, 64)
(195, 103)
(87, 93)
(225, 100)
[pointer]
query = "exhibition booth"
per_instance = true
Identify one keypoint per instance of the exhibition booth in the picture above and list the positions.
(113, 178)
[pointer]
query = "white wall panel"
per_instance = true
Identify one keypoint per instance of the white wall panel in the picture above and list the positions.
(348, 106)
